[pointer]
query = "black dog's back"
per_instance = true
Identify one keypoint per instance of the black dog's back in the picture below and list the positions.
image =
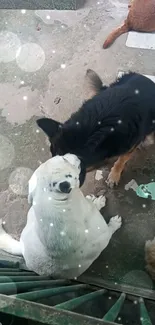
(109, 124)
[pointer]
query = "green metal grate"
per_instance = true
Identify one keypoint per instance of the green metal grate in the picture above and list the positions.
(41, 299)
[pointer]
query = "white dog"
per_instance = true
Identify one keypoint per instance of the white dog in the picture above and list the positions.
(65, 231)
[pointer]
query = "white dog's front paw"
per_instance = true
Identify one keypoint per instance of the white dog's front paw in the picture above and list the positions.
(98, 201)
(115, 223)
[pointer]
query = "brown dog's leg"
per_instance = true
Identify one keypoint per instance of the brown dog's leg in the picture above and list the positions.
(116, 170)
(124, 28)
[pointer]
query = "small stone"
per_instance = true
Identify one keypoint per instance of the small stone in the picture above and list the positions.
(57, 100)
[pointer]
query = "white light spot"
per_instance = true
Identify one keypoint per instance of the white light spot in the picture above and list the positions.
(141, 318)
(98, 2)
(48, 17)
(44, 189)
(152, 180)
(77, 123)
(24, 97)
(6, 23)
(23, 11)
(39, 162)
(19, 180)
(98, 228)
(51, 224)
(37, 131)
(153, 121)
(22, 82)
(86, 231)
(3, 222)
(99, 122)
(112, 129)
(9, 45)
(144, 205)
(107, 266)
(30, 57)
(60, 126)
(75, 278)
(119, 318)
(64, 210)
(41, 220)
(62, 26)
(63, 66)
(84, 26)
(42, 149)
(53, 51)
(34, 203)
(119, 122)
(15, 77)
(79, 265)
(109, 298)
(49, 198)
(136, 91)
(62, 233)
(115, 283)
(135, 302)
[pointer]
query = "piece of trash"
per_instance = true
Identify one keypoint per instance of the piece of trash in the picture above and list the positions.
(98, 175)
(146, 191)
(57, 100)
(132, 184)
(38, 28)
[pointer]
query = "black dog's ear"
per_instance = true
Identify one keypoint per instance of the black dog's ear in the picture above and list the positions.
(49, 126)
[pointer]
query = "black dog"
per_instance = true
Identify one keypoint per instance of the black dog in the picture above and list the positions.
(114, 122)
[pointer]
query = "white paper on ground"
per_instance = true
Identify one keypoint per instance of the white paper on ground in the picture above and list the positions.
(141, 40)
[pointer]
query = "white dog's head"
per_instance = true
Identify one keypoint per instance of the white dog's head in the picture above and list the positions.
(59, 174)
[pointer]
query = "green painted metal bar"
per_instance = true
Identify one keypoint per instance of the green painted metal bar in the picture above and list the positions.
(36, 295)
(73, 303)
(113, 312)
(7, 269)
(45, 314)
(5, 279)
(12, 288)
(144, 316)
(17, 273)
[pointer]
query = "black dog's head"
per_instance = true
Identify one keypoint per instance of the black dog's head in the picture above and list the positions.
(62, 141)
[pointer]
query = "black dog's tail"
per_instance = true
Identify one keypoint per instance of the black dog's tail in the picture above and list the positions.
(93, 83)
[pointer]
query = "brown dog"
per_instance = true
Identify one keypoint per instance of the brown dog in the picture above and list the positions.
(141, 18)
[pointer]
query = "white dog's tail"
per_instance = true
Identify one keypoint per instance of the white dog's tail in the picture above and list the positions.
(150, 257)
(8, 244)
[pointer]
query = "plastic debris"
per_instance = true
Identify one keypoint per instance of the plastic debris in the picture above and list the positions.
(146, 190)
(132, 184)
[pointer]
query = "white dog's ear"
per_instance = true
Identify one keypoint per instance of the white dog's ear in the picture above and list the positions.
(31, 187)
(72, 159)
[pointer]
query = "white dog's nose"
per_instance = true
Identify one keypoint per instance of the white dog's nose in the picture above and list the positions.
(65, 187)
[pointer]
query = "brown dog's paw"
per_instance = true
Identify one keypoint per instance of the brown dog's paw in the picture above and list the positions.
(113, 178)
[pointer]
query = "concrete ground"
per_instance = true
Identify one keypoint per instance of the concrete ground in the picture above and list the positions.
(46, 78)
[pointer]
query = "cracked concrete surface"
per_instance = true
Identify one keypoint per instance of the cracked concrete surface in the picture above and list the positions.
(43, 60)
